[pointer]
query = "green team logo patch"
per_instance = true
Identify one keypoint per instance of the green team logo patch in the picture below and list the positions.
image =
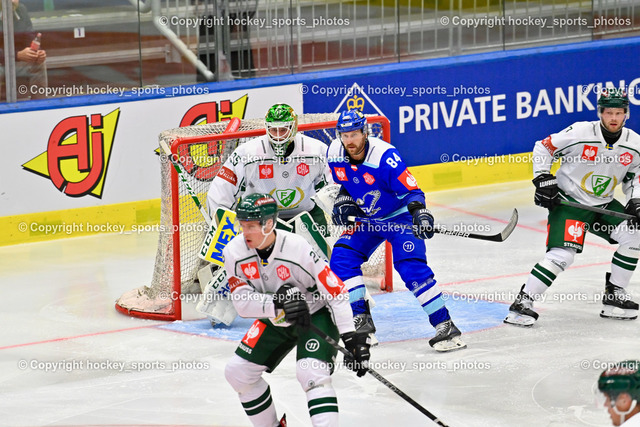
(286, 197)
(599, 183)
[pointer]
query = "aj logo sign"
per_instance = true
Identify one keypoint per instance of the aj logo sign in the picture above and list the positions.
(211, 112)
(203, 160)
(77, 155)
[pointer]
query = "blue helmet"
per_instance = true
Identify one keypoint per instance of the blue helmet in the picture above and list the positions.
(351, 120)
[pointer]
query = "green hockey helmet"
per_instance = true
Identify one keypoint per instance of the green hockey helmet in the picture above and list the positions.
(623, 377)
(257, 207)
(283, 118)
(613, 98)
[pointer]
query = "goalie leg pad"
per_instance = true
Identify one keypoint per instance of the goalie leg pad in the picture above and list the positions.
(218, 236)
(215, 302)
(205, 274)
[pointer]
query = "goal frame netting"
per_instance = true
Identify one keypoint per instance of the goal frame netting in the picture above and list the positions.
(163, 301)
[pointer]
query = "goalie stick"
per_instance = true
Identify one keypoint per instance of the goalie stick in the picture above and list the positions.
(602, 211)
(439, 229)
(234, 125)
(379, 377)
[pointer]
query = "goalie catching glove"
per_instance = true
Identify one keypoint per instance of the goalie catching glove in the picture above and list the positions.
(633, 208)
(345, 207)
(296, 311)
(422, 220)
(546, 191)
(357, 344)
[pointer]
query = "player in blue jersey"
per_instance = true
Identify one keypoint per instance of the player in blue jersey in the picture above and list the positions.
(376, 183)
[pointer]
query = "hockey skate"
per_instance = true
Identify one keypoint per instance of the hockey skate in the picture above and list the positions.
(617, 304)
(521, 311)
(447, 337)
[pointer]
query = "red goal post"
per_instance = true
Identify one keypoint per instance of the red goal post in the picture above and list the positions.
(200, 151)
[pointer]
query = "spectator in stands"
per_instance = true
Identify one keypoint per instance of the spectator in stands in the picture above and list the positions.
(31, 70)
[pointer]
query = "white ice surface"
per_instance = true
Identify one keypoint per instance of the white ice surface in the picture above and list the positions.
(59, 307)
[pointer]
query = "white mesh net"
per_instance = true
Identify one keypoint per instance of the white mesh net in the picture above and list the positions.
(201, 160)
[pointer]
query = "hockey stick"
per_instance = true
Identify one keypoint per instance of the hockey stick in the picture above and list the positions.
(234, 125)
(500, 237)
(377, 376)
(602, 211)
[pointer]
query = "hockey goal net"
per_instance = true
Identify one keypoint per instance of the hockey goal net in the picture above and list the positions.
(201, 150)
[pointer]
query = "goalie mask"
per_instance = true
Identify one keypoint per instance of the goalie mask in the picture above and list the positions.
(281, 123)
(613, 98)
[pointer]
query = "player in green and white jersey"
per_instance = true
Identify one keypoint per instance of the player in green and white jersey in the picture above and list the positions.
(595, 158)
(277, 278)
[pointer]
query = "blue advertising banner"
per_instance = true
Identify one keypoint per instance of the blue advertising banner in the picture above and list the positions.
(460, 108)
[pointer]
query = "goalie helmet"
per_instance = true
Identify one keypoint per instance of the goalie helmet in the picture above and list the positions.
(257, 207)
(351, 120)
(623, 377)
(281, 116)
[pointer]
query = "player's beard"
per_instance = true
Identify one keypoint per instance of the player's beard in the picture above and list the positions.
(358, 153)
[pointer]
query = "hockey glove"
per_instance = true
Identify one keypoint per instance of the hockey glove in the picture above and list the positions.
(422, 220)
(357, 343)
(633, 208)
(292, 302)
(546, 191)
(345, 207)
